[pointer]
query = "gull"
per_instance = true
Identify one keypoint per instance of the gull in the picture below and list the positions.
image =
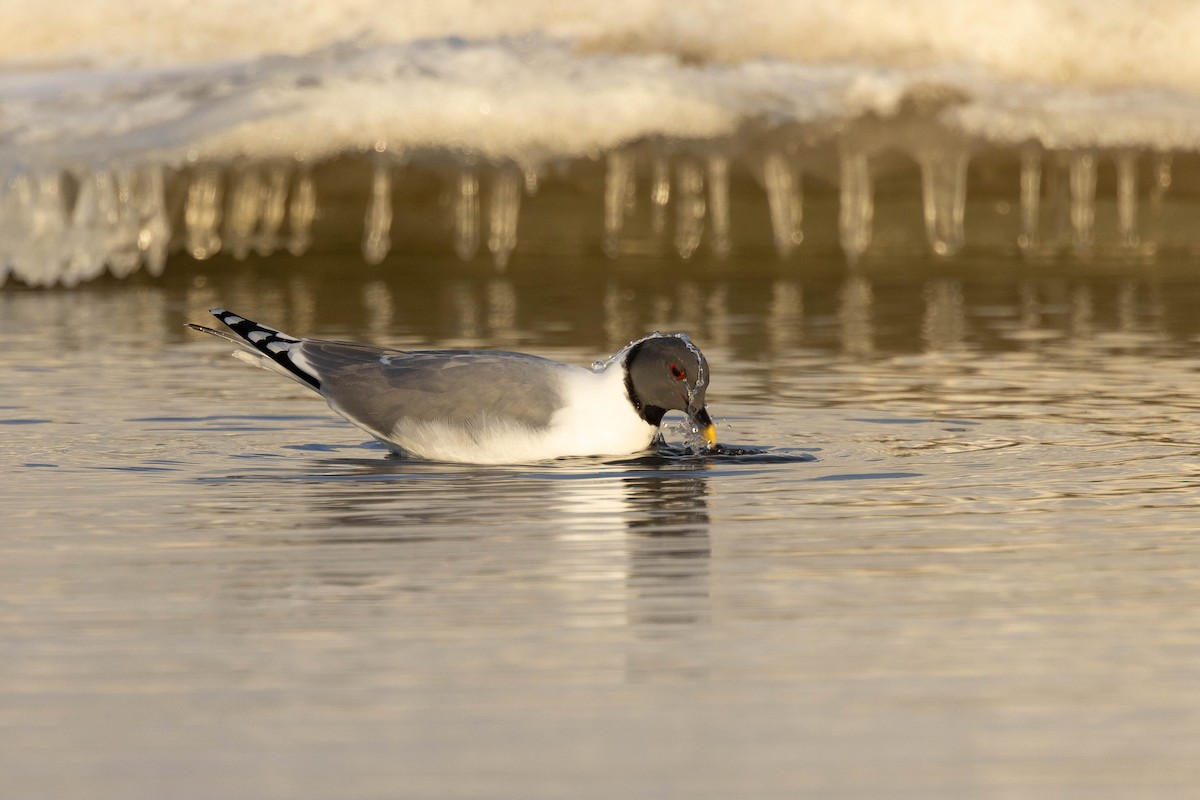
(490, 406)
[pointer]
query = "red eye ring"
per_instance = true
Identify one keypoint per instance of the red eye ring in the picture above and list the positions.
(677, 372)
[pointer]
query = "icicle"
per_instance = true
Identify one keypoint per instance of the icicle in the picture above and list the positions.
(7, 217)
(466, 215)
(1056, 200)
(944, 190)
(203, 212)
(1031, 196)
(784, 202)
(856, 204)
(1083, 199)
(274, 209)
(39, 262)
(124, 256)
(94, 228)
(141, 232)
(302, 210)
(718, 204)
(14, 223)
(377, 225)
(689, 208)
(617, 183)
(504, 209)
(154, 227)
(1127, 200)
(1162, 177)
(531, 181)
(245, 208)
(660, 194)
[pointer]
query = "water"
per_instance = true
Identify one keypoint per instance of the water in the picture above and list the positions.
(954, 557)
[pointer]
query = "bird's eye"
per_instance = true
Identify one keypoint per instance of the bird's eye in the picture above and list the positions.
(677, 372)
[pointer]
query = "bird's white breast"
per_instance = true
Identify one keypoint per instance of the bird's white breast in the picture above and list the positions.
(597, 417)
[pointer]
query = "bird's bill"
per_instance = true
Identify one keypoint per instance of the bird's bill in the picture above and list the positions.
(703, 422)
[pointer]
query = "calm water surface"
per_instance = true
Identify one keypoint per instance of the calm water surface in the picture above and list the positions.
(962, 562)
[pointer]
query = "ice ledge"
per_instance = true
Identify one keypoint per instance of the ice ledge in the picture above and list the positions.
(116, 169)
(694, 200)
(532, 100)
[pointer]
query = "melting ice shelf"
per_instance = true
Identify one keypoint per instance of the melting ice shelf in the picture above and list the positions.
(780, 126)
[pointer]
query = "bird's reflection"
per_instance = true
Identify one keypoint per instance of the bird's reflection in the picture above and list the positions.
(622, 544)
(645, 532)
(669, 550)
(636, 554)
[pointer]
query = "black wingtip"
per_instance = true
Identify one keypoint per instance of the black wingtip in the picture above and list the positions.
(268, 341)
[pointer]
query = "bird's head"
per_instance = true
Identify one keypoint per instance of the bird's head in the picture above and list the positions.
(669, 373)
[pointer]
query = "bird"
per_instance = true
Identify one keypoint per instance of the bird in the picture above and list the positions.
(491, 406)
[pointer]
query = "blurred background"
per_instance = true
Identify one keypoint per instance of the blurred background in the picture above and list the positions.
(137, 134)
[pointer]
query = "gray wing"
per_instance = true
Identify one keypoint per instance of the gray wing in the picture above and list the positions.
(377, 387)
